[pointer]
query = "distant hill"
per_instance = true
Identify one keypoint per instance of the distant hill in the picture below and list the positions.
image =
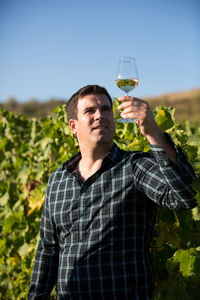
(32, 108)
(187, 105)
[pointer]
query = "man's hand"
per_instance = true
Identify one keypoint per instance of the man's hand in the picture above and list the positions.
(140, 110)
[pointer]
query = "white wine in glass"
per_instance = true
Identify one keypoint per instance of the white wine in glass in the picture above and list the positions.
(127, 78)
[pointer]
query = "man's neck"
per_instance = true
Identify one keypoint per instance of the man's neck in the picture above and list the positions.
(91, 160)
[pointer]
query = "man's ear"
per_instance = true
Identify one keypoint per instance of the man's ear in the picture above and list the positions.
(72, 125)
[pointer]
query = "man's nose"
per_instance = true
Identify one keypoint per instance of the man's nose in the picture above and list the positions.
(98, 114)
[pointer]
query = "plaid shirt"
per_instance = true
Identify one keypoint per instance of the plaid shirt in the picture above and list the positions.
(95, 234)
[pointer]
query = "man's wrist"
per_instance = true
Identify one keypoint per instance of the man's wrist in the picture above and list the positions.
(158, 138)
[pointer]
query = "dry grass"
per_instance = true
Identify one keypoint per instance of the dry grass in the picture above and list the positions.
(187, 104)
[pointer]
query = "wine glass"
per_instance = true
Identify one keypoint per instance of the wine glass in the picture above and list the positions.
(127, 78)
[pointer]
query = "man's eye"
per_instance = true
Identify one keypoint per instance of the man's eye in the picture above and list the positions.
(107, 108)
(89, 111)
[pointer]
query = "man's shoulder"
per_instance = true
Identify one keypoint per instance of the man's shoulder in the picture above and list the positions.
(135, 154)
(57, 174)
(120, 153)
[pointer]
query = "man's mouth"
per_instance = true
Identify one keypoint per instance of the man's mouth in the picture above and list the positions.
(100, 126)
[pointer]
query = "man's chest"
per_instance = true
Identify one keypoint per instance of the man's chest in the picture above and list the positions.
(93, 204)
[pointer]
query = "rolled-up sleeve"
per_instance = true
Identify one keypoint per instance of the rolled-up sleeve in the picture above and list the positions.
(164, 182)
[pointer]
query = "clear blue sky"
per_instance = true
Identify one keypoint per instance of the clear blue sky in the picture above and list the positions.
(52, 48)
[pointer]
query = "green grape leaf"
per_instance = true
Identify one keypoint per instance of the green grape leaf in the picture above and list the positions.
(23, 250)
(186, 260)
(4, 199)
(164, 117)
(36, 199)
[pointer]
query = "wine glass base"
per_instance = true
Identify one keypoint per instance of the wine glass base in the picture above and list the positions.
(126, 120)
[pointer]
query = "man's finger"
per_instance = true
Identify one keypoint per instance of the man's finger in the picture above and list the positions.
(126, 98)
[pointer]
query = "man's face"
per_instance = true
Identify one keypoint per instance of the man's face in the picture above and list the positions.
(95, 122)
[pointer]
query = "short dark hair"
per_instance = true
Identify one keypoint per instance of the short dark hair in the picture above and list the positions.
(72, 103)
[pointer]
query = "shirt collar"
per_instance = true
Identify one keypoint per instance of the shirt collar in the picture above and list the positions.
(114, 153)
(70, 164)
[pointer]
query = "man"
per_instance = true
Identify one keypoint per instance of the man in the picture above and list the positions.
(100, 206)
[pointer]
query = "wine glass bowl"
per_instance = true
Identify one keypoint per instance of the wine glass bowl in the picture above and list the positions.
(127, 78)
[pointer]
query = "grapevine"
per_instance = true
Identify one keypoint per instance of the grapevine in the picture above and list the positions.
(31, 149)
